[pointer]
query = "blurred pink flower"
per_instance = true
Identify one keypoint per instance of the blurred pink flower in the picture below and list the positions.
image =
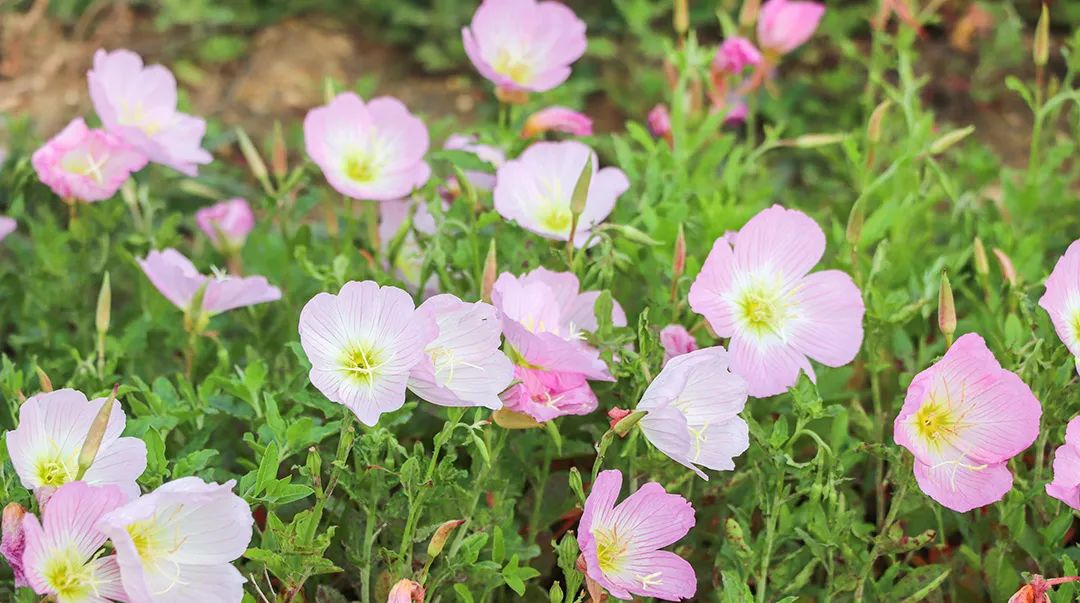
(7, 226)
(659, 121)
(557, 119)
(481, 180)
(181, 539)
(535, 190)
(621, 543)
(84, 164)
(784, 25)
(45, 446)
(13, 541)
(62, 551)
(546, 395)
(734, 55)
(463, 365)
(138, 104)
(373, 151)
(963, 419)
(179, 281)
(226, 224)
(524, 45)
(544, 316)
(406, 591)
(758, 292)
(1062, 297)
(1066, 484)
(362, 344)
(676, 341)
(408, 262)
(693, 411)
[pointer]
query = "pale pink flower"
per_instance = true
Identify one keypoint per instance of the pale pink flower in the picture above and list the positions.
(177, 543)
(138, 104)
(1066, 484)
(734, 55)
(784, 25)
(1062, 298)
(226, 224)
(557, 119)
(535, 190)
(480, 180)
(544, 318)
(373, 151)
(463, 365)
(659, 121)
(759, 293)
(546, 395)
(85, 165)
(963, 419)
(676, 341)
(62, 556)
(693, 411)
(621, 543)
(7, 226)
(13, 541)
(179, 281)
(408, 261)
(524, 45)
(406, 591)
(52, 428)
(362, 344)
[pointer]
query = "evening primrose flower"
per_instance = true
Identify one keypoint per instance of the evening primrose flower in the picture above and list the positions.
(963, 419)
(463, 365)
(371, 151)
(180, 282)
(784, 25)
(758, 292)
(406, 591)
(546, 395)
(138, 104)
(557, 119)
(676, 341)
(52, 428)
(621, 543)
(226, 224)
(177, 543)
(544, 320)
(7, 226)
(693, 411)
(1062, 299)
(13, 541)
(363, 343)
(1066, 484)
(480, 180)
(408, 261)
(85, 165)
(535, 190)
(524, 45)
(62, 556)
(734, 55)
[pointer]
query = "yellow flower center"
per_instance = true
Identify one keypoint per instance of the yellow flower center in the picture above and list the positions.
(762, 308)
(361, 168)
(68, 575)
(56, 471)
(609, 550)
(362, 363)
(512, 66)
(556, 218)
(934, 422)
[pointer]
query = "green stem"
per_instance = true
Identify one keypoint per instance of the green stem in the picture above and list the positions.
(875, 551)
(770, 533)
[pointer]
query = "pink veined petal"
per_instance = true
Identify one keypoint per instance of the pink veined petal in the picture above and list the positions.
(1062, 298)
(599, 507)
(830, 329)
(963, 487)
(651, 518)
(665, 427)
(581, 314)
(720, 443)
(768, 370)
(231, 292)
(711, 393)
(785, 240)
(1066, 484)
(120, 464)
(659, 574)
(708, 294)
(107, 581)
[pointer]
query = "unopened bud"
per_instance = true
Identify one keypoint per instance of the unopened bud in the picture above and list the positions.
(406, 591)
(682, 16)
(748, 15)
(13, 541)
(873, 127)
(982, 264)
(810, 141)
(254, 160)
(623, 426)
(96, 434)
(946, 308)
(947, 140)
(509, 419)
(43, 379)
(855, 221)
(575, 484)
(104, 306)
(678, 262)
(1007, 269)
(1041, 48)
(491, 272)
(581, 188)
(279, 154)
(438, 541)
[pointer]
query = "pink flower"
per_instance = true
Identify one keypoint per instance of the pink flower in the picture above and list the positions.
(373, 151)
(544, 316)
(1066, 484)
(84, 164)
(13, 541)
(676, 341)
(226, 224)
(177, 543)
(546, 395)
(62, 551)
(406, 591)
(7, 226)
(758, 292)
(52, 428)
(557, 119)
(734, 55)
(693, 411)
(1062, 298)
(179, 281)
(535, 190)
(138, 104)
(621, 543)
(524, 44)
(963, 419)
(362, 344)
(408, 261)
(480, 180)
(659, 121)
(784, 25)
(463, 365)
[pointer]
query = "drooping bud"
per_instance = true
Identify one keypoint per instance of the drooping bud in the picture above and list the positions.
(1007, 269)
(948, 139)
(491, 272)
(13, 541)
(982, 264)
(438, 541)
(406, 591)
(97, 433)
(946, 309)
(1041, 47)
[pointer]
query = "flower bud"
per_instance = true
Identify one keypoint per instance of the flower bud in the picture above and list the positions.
(946, 308)
(873, 127)
(1007, 269)
(491, 272)
(948, 139)
(622, 426)
(438, 541)
(855, 221)
(1041, 48)
(659, 122)
(982, 265)
(678, 262)
(13, 541)
(96, 434)
(581, 188)
(104, 306)
(749, 13)
(681, 19)
(509, 419)
(46, 383)
(254, 160)
(406, 591)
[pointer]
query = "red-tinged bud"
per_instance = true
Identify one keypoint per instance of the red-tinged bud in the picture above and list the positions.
(406, 591)
(438, 541)
(1007, 269)
(616, 415)
(13, 541)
